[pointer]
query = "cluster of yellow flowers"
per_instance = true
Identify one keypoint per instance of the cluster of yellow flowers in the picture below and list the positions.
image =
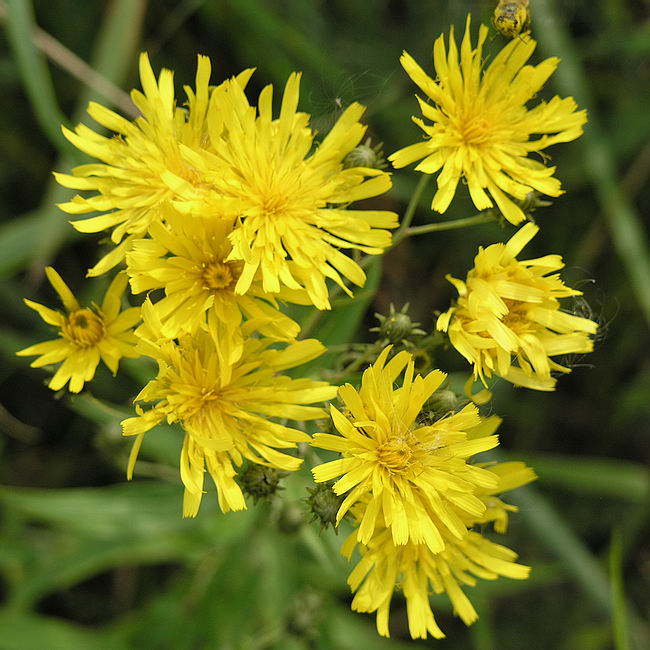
(507, 320)
(416, 495)
(220, 212)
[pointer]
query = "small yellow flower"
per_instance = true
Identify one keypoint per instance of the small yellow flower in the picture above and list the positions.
(507, 319)
(86, 334)
(290, 195)
(188, 258)
(225, 409)
(481, 127)
(418, 571)
(128, 182)
(416, 478)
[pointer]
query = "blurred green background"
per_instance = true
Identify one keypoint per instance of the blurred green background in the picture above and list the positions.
(88, 561)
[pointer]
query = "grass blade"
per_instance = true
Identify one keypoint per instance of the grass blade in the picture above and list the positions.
(594, 476)
(34, 73)
(622, 219)
(619, 615)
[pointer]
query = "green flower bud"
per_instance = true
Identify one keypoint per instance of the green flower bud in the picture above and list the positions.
(397, 326)
(260, 482)
(441, 403)
(366, 156)
(324, 503)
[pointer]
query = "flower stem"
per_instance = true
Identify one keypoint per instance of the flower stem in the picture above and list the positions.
(410, 208)
(481, 217)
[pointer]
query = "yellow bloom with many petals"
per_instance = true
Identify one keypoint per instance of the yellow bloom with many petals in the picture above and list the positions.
(481, 128)
(508, 320)
(128, 182)
(188, 258)
(417, 571)
(226, 410)
(416, 478)
(86, 334)
(289, 194)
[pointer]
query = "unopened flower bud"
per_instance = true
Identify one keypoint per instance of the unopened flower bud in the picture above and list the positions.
(366, 156)
(324, 503)
(441, 403)
(260, 482)
(397, 326)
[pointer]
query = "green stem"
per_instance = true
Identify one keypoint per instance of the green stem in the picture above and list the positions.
(482, 217)
(315, 316)
(411, 208)
(406, 230)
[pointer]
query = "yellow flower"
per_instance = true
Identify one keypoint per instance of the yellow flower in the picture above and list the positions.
(416, 478)
(188, 259)
(225, 409)
(481, 128)
(417, 571)
(128, 182)
(86, 334)
(290, 195)
(507, 319)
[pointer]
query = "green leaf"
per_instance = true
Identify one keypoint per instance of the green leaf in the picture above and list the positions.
(140, 509)
(595, 476)
(35, 74)
(347, 630)
(96, 529)
(31, 632)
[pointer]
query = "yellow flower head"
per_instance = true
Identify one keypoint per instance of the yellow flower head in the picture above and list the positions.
(507, 319)
(416, 478)
(290, 196)
(225, 409)
(128, 182)
(86, 334)
(481, 128)
(188, 258)
(418, 571)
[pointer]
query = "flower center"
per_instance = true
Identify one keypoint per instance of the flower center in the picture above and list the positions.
(475, 131)
(221, 275)
(395, 455)
(516, 319)
(209, 394)
(84, 328)
(273, 203)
